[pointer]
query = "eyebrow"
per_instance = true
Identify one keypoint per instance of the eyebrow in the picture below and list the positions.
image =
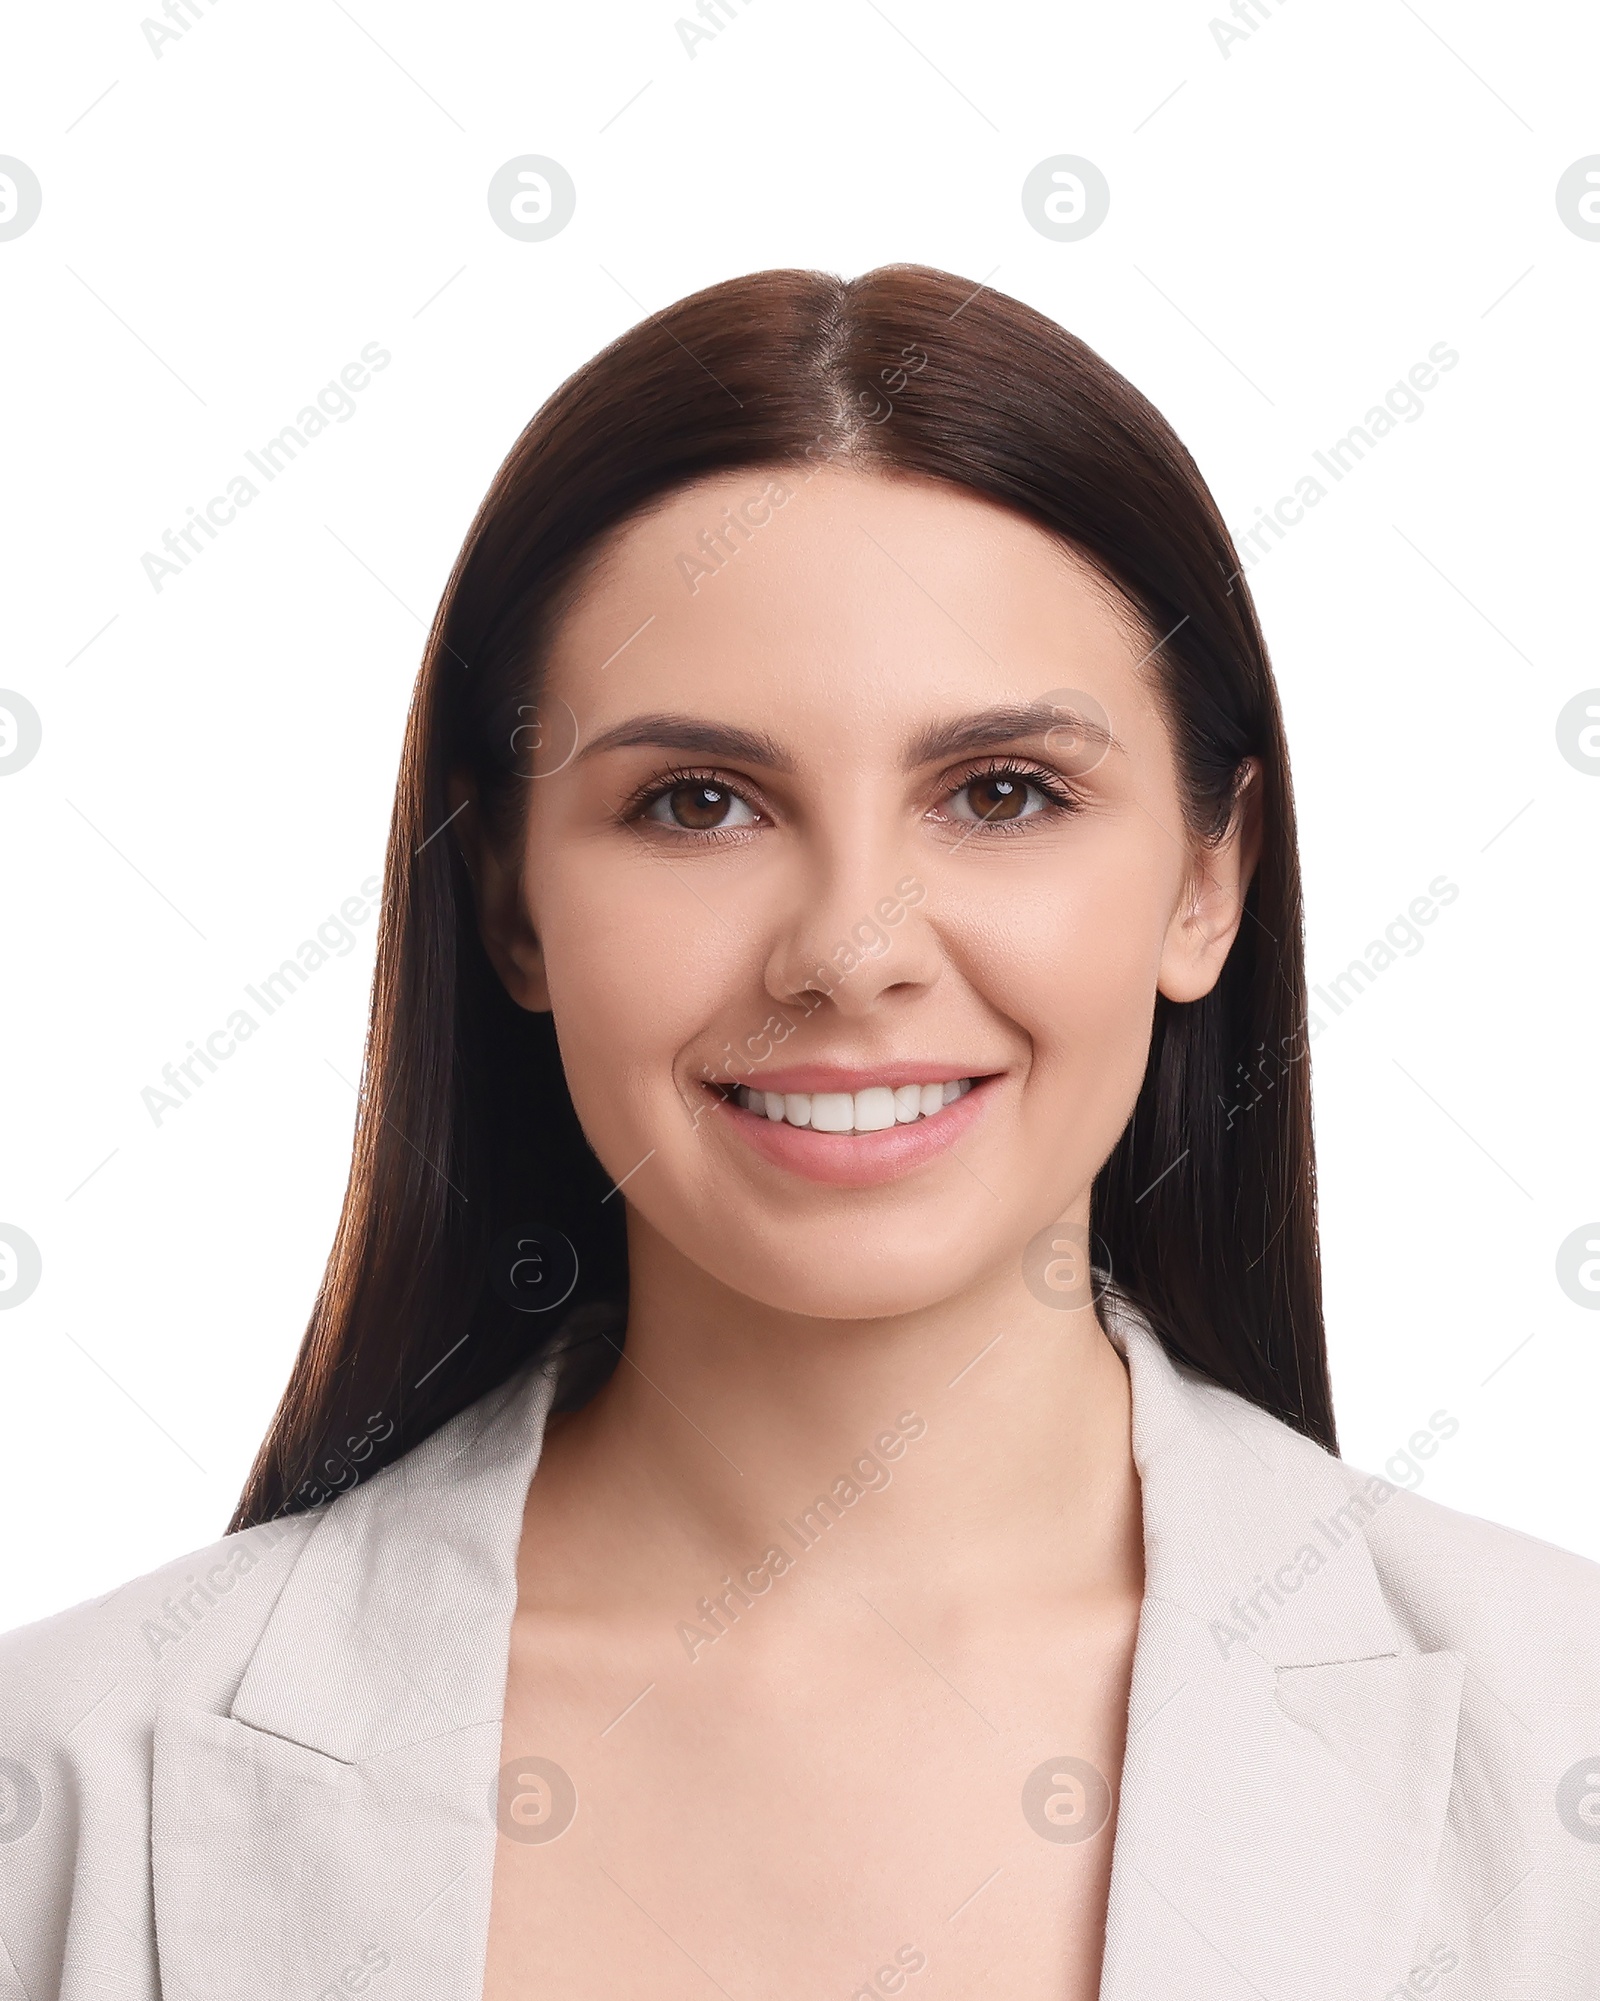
(664, 731)
(1014, 722)
(960, 736)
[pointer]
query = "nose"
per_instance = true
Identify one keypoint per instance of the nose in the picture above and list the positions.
(854, 928)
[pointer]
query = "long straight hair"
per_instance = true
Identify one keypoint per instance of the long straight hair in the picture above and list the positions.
(468, 1158)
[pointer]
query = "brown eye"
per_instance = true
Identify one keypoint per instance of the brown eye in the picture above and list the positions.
(997, 797)
(699, 807)
(1008, 794)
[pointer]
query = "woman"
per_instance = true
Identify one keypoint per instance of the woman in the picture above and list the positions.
(837, 1106)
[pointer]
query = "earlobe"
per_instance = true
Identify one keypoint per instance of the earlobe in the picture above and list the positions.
(1202, 929)
(504, 922)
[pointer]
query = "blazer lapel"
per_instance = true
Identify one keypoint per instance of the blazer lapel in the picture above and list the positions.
(332, 1832)
(1289, 1752)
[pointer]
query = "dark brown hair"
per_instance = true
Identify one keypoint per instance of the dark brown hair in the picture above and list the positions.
(466, 1143)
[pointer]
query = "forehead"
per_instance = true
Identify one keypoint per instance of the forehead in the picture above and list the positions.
(846, 601)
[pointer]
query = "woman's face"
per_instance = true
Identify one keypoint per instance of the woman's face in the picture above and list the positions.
(824, 808)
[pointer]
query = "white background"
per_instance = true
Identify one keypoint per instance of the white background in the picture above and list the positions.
(1293, 225)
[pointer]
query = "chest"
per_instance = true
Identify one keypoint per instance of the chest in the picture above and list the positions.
(853, 1809)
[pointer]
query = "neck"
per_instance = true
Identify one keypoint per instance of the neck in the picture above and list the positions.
(983, 1439)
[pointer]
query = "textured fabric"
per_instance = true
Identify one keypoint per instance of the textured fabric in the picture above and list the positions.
(1362, 1730)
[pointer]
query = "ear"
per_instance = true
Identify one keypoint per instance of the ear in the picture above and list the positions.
(504, 922)
(1211, 909)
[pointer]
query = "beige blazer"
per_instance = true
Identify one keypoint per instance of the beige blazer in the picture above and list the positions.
(266, 1770)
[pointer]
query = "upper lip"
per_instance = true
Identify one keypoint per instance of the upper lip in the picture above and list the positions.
(814, 1077)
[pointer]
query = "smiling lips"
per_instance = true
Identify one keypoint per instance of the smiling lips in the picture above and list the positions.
(854, 1128)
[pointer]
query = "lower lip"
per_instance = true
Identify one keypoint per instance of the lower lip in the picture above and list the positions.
(858, 1160)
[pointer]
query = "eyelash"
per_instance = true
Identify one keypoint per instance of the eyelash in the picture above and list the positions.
(1060, 796)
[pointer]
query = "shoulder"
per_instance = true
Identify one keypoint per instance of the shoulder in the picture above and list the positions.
(1455, 1582)
(1473, 1585)
(185, 1630)
(80, 1694)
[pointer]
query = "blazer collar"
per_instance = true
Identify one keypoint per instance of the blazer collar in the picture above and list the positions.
(1283, 1791)
(333, 1829)
(394, 1626)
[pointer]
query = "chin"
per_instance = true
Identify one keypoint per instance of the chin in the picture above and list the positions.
(824, 1280)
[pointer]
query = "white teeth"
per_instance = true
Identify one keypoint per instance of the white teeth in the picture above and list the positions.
(832, 1111)
(870, 1111)
(874, 1109)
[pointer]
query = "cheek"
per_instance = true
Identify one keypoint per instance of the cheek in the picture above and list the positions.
(1076, 969)
(636, 966)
